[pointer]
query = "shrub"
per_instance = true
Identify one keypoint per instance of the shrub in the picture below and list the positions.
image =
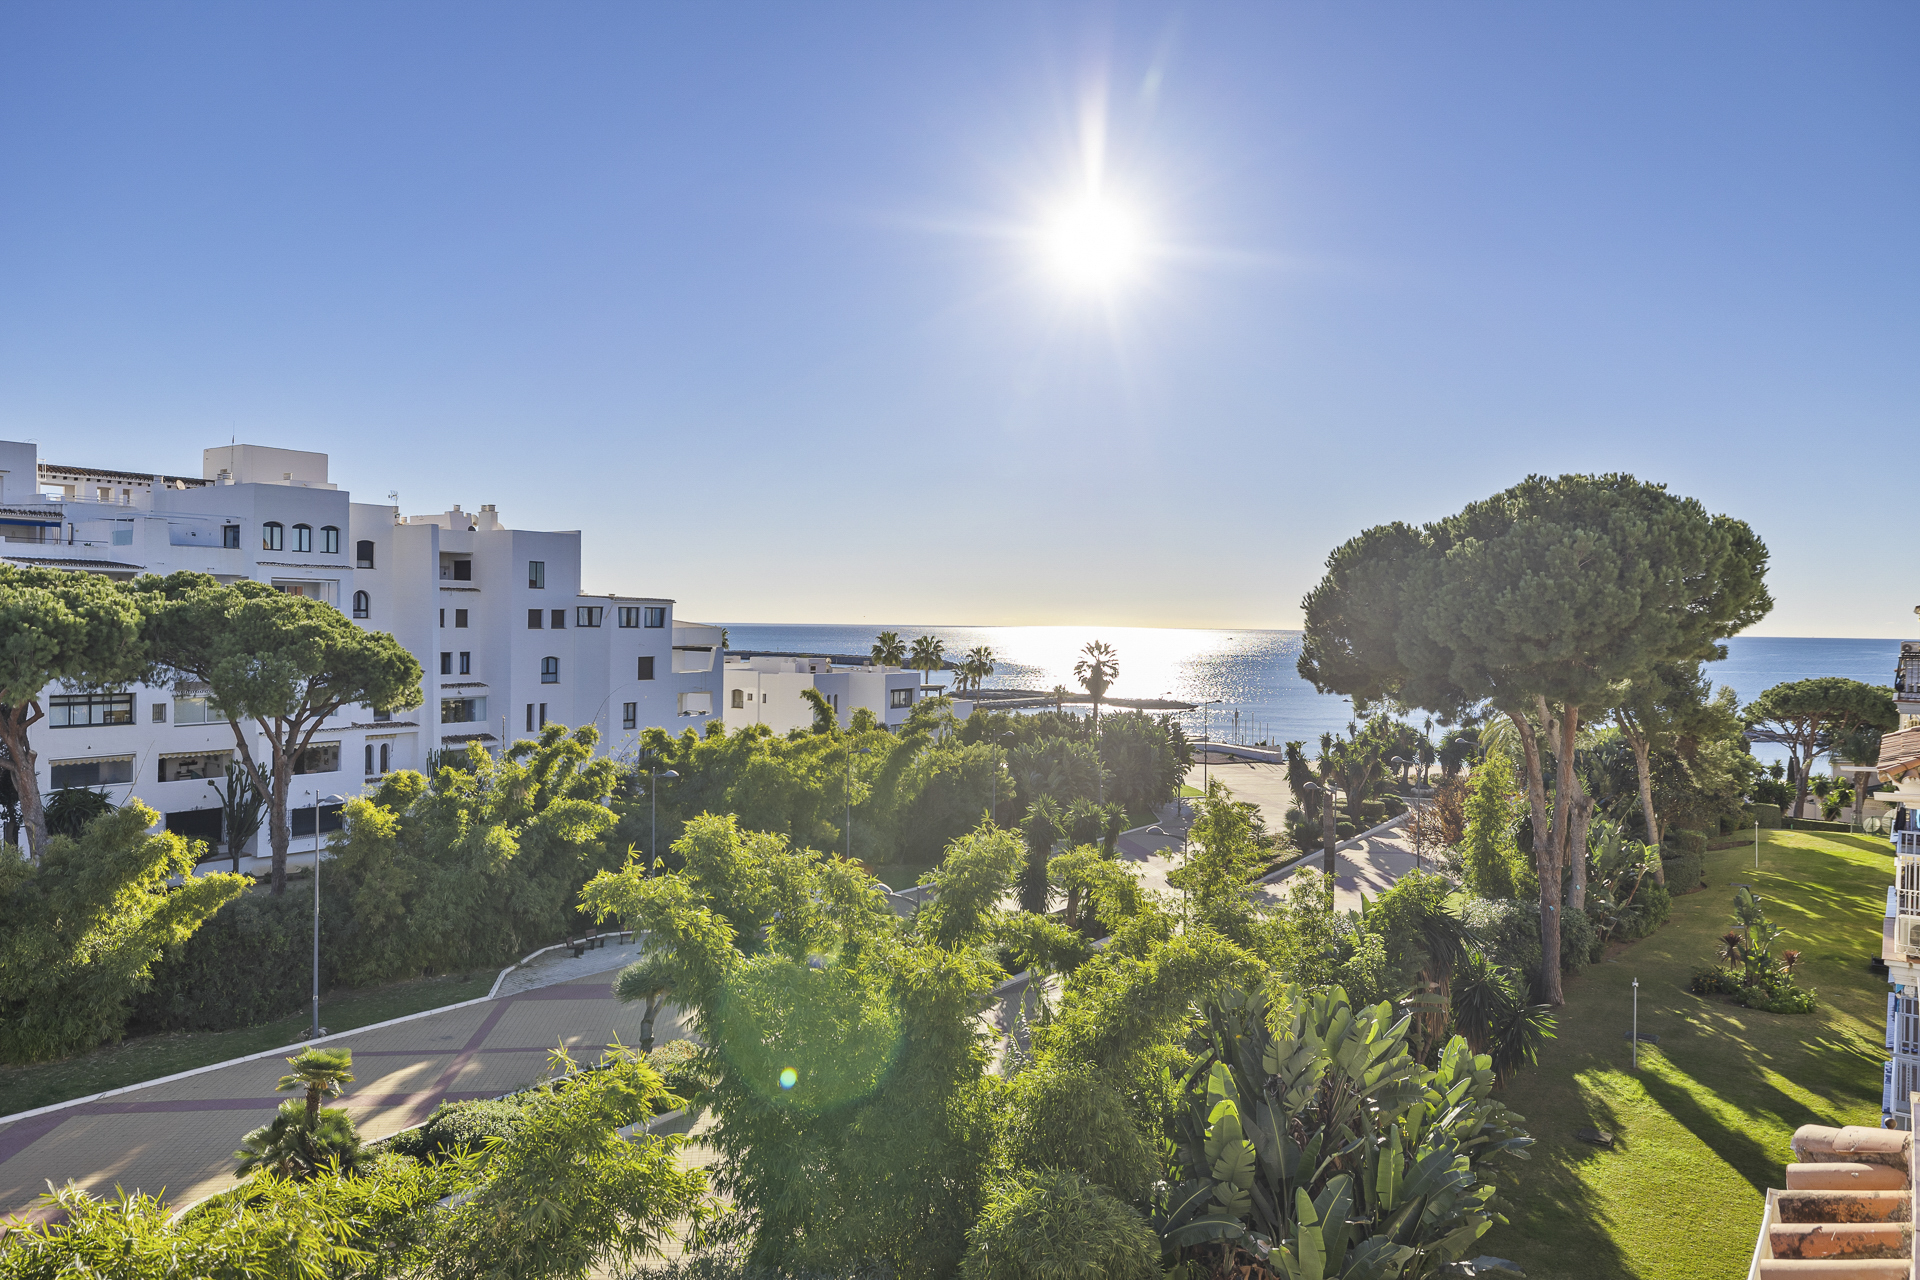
(1683, 871)
(1758, 972)
(251, 963)
(1056, 1225)
(677, 1061)
(1688, 841)
(1768, 815)
(458, 1127)
(1509, 930)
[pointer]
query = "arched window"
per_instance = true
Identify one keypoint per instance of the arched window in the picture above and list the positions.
(363, 553)
(549, 671)
(272, 536)
(386, 757)
(360, 603)
(303, 537)
(329, 540)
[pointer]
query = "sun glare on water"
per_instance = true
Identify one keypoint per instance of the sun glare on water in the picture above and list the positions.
(1094, 244)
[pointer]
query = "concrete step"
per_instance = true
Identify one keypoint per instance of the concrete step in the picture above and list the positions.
(1837, 1269)
(1855, 1144)
(1841, 1240)
(1844, 1206)
(1839, 1175)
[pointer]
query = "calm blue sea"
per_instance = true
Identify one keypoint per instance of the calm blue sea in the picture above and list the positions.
(1250, 674)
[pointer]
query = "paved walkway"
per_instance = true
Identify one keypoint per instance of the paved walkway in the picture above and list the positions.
(177, 1138)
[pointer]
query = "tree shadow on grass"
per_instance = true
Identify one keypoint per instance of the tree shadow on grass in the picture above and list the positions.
(1558, 1225)
(1742, 1153)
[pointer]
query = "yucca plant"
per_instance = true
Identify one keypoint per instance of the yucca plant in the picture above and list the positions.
(1316, 1146)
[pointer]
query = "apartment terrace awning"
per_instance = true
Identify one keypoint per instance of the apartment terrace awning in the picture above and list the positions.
(1899, 755)
(48, 562)
(195, 755)
(39, 517)
(468, 737)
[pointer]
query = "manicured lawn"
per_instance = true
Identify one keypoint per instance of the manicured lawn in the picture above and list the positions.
(149, 1057)
(1703, 1127)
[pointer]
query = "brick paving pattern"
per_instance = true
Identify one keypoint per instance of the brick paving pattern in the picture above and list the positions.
(178, 1138)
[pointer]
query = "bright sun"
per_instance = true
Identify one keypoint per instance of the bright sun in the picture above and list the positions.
(1093, 243)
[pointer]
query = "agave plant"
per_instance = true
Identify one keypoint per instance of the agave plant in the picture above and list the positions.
(1315, 1146)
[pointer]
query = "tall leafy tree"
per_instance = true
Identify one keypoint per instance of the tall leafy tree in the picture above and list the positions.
(278, 665)
(1670, 701)
(929, 655)
(1097, 669)
(889, 650)
(56, 627)
(1539, 602)
(81, 930)
(1808, 715)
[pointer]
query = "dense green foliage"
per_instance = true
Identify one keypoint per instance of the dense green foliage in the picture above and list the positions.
(1313, 1141)
(473, 867)
(559, 1196)
(80, 931)
(250, 962)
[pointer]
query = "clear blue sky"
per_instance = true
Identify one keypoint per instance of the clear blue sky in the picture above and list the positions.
(752, 293)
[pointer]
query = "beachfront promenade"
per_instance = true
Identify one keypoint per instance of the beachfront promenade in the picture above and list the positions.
(178, 1136)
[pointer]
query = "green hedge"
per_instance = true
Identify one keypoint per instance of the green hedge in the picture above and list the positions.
(1768, 816)
(1814, 824)
(1684, 871)
(458, 1126)
(251, 963)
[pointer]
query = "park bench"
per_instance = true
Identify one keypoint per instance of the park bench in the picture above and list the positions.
(589, 941)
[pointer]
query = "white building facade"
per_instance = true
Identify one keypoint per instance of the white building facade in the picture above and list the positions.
(766, 689)
(506, 639)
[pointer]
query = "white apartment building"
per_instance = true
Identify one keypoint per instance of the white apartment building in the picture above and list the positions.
(505, 636)
(766, 689)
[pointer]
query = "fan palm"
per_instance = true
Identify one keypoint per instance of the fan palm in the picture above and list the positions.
(929, 655)
(323, 1073)
(889, 650)
(1096, 671)
(1060, 695)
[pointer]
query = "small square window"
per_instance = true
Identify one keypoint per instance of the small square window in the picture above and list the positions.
(535, 617)
(559, 622)
(646, 668)
(900, 698)
(446, 664)
(629, 715)
(230, 535)
(459, 617)
(159, 713)
(629, 617)
(537, 574)
(587, 615)
(656, 616)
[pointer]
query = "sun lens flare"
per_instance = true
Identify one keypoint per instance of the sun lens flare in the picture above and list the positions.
(1093, 243)
(789, 1078)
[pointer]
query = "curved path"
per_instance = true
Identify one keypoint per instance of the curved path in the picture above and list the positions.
(176, 1137)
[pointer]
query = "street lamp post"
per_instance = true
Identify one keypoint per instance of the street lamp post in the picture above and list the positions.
(1329, 832)
(653, 808)
(317, 802)
(865, 751)
(1206, 736)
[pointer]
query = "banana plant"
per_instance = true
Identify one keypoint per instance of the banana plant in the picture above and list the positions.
(1315, 1144)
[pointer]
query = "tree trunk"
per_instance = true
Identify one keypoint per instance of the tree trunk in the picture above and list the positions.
(1643, 765)
(1800, 780)
(279, 831)
(1536, 781)
(1577, 850)
(1549, 859)
(15, 720)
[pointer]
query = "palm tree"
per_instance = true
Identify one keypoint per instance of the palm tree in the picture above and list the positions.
(323, 1073)
(1096, 672)
(1060, 695)
(929, 654)
(978, 666)
(889, 650)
